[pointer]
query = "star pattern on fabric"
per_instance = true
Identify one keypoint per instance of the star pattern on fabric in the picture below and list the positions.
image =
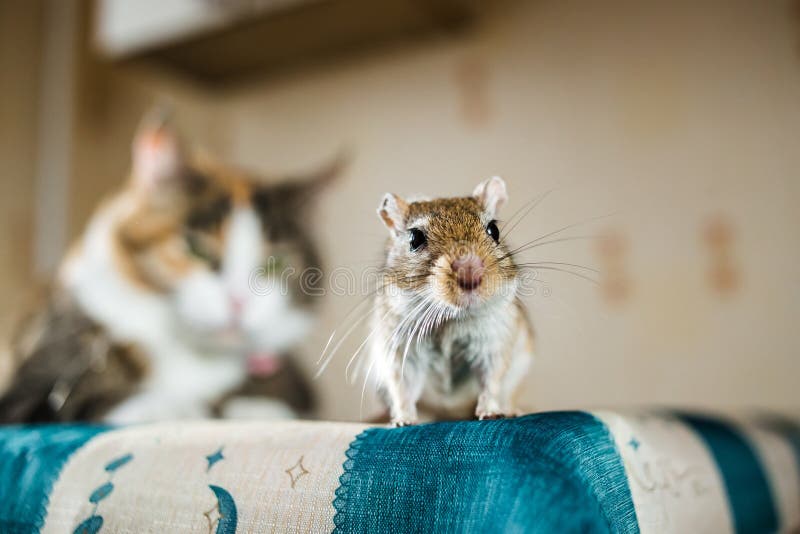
(634, 443)
(213, 516)
(214, 458)
(296, 472)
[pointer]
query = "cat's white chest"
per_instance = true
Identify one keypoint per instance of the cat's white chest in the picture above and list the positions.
(188, 373)
(181, 384)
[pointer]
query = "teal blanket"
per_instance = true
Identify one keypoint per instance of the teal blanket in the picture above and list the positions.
(548, 472)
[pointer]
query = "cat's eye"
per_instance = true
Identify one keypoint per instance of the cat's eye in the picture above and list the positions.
(416, 238)
(275, 265)
(197, 250)
(493, 231)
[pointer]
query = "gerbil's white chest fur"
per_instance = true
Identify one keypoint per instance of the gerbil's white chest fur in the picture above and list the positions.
(448, 326)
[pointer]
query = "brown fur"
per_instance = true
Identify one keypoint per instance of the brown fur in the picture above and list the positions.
(69, 367)
(288, 384)
(458, 229)
(458, 302)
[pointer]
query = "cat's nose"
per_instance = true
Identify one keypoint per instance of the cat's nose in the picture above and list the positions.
(237, 305)
(469, 271)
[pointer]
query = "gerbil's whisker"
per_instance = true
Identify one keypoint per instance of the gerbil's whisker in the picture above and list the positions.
(361, 346)
(326, 357)
(346, 317)
(328, 344)
(531, 245)
(573, 273)
(545, 236)
(577, 266)
(419, 301)
(429, 322)
(414, 330)
(364, 389)
(342, 340)
(413, 325)
(415, 282)
(531, 205)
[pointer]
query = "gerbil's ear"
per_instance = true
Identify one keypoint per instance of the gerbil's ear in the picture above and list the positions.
(392, 211)
(491, 194)
(157, 152)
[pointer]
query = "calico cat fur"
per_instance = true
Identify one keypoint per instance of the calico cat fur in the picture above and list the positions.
(153, 313)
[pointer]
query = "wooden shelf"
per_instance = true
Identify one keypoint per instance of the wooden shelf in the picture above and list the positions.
(229, 47)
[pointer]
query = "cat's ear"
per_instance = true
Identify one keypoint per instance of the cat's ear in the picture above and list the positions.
(157, 151)
(299, 192)
(311, 185)
(491, 195)
(393, 210)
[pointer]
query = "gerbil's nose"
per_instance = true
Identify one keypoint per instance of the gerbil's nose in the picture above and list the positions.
(469, 271)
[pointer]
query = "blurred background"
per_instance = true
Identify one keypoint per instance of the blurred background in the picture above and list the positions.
(680, 118)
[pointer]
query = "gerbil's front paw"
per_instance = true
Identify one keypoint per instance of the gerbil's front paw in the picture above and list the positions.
(490, 416)
(402, 422)
(489, 407)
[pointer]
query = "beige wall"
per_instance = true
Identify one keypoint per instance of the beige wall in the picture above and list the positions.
(672, 114)
(110, 102)
(20, 24)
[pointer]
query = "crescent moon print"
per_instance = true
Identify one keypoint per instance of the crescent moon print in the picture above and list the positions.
(90, 525)
(223, 514)
(93, 523)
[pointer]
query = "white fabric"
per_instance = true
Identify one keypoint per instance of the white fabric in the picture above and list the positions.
(673, 480)
(165, 487)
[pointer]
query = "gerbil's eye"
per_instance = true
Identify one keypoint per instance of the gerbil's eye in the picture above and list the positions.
(493, 231)
(416, 238)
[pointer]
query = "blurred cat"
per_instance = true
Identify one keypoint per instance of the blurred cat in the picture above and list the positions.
(175, 301)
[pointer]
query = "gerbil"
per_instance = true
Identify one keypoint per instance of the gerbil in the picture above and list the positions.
(449, 329)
